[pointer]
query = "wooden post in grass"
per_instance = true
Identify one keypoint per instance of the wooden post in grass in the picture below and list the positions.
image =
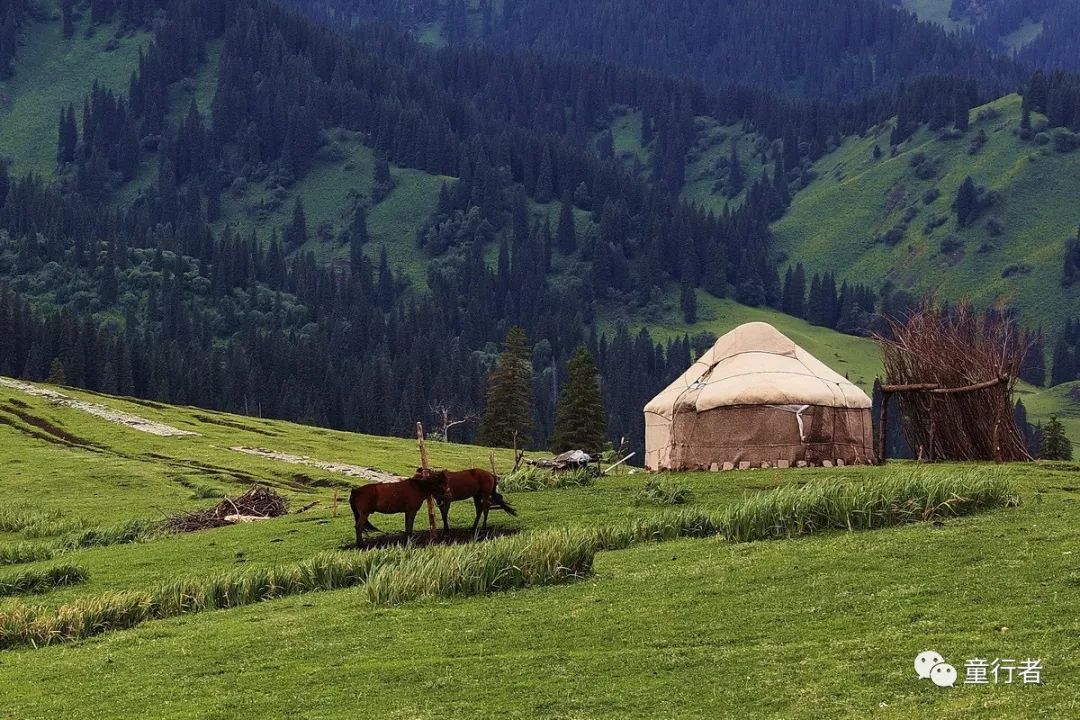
(883, 429)
(424, 469)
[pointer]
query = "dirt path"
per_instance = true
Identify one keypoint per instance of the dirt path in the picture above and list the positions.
(114, 416)
(356, 471)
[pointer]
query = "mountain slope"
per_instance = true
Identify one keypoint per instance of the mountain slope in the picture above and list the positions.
(1012, 254)
(52, 71)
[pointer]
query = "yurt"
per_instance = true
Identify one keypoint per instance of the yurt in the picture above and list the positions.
(756, 399)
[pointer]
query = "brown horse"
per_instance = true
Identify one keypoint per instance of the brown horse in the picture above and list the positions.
(480, 485)
(405, 496)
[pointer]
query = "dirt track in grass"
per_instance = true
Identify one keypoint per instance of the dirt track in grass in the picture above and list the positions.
(114, 416)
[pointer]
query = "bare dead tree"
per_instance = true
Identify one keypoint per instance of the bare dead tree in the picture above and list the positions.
(449, 417)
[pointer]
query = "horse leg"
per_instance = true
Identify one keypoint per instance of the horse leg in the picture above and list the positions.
(361, 525)
(444, 509)
(410, 516)
(487, 508)
(476, 521)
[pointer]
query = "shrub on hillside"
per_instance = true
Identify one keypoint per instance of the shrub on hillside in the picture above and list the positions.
(1065, 141)
(951, 244)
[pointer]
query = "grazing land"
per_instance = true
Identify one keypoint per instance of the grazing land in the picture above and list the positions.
(890, 218)
(825, 625)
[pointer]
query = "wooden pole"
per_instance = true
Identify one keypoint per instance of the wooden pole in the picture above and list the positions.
(424, 469)
(605, 472)
(883, 429)
(938, 390)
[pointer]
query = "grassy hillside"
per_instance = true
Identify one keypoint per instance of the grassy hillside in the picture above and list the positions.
(935, 11)
(51, 72)
(340, 179)
(840, 222)
(826, 623)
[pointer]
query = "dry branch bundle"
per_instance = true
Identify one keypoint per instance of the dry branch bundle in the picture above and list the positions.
(258, 502)
(957, 368)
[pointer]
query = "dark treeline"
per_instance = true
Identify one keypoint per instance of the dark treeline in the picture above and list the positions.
(1065, 364)
(230, 323)
(829, 49)
(849, 309)
(1053, 48)
(1056, 95)
(12, 13)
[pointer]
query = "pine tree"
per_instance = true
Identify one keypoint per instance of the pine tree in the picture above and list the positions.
(68, 137)
(383, 182)
(545, 181)
(508, 416)
(566, 233)
(1033, 368)
(1053, 444)
(358, 237)
(296, 232)
(798, 291)
(580, 422)
(688, 304)
(966, 204)
(67, 11)
(5, 182)
(736, 173)
(56, 373)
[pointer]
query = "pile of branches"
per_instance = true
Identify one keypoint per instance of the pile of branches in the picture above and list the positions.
(259, 502)
(953, 371)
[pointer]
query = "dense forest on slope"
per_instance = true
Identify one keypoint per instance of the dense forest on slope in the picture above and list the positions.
(831, 49)
(1042, 33)
(199, 283)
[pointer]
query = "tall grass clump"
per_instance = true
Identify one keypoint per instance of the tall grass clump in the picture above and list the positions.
(662, 492)
(36, 523)
(24, 552)
(47, 528)
(864, 505)
(206, 492)
(668, 525)
(124, 533)
(37, 626)
(541, 558)
(394, 575)
(39, 580)
(529, 478)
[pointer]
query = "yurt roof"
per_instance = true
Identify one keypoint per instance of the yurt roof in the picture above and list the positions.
(756, 364)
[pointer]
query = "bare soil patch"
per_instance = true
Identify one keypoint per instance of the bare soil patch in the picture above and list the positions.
(114, 416)
(364, 473)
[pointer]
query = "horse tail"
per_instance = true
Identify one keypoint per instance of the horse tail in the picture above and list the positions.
(498, 501)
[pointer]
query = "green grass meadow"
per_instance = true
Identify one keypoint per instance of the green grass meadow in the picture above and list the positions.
(823, 626)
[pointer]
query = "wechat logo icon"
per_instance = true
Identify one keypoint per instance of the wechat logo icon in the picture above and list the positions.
(929, 665)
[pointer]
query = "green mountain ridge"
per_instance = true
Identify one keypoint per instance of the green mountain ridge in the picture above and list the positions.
(835, 224)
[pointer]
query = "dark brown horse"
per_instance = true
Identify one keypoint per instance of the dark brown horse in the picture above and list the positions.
(480, 485)
(405, 496)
